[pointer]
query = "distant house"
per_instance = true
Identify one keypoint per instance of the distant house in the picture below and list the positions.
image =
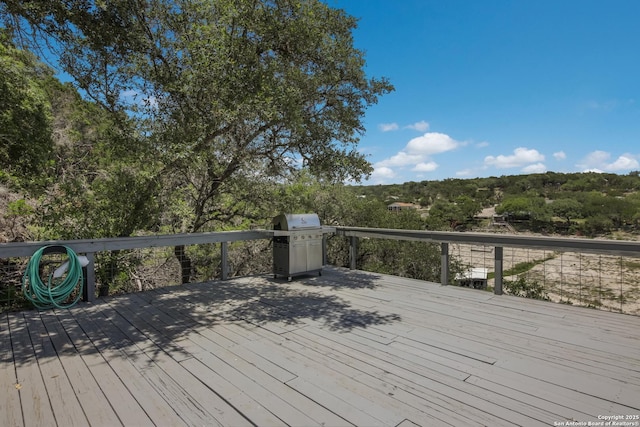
(400, 206)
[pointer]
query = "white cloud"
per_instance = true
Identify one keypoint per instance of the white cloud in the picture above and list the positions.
(535, 168)
(521, 157)
(560, 155)
(401, 159)
(415, 156)
(624, 162)
(382, 173)
(417, 152)
(431, 143)
(600, 161)
(425, 167)
(464, 172)
(420, 126)
(482, 144)
(388, 127)
(595, 158)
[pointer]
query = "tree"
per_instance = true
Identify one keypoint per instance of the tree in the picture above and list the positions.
(597, 224)
(618, 210)
(99, 181)
(524, 207)
(25, 114)
(225, 90)
(443, 215)
(566, 209)
(453, 215)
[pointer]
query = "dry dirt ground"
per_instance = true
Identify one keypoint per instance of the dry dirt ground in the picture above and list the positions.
(600, 281)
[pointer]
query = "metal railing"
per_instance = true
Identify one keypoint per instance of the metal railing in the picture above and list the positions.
(611, 262)
(89, 247)
(497, 244)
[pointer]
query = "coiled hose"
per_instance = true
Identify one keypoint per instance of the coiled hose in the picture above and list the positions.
(56, 292)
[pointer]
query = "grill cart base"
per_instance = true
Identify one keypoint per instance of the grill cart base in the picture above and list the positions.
(297, 245)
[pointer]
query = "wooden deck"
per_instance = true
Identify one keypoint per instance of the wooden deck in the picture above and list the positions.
(347, 348)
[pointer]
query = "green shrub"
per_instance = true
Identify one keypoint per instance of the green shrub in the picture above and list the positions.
(527, 289)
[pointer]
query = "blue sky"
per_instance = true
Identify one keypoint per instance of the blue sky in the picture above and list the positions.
(500, 87)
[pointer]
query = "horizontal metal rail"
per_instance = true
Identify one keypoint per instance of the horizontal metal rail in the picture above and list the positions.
(599, 246)
(24, 249)
(90, 246)
(498, 241)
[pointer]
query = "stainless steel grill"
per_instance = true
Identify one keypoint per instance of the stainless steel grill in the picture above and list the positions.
(297, 245)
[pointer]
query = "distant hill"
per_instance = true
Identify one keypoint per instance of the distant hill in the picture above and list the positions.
(567, 203)
(492, 190)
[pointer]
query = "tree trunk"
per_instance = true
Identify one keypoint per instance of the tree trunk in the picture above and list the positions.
(109, 274)
(185, 263)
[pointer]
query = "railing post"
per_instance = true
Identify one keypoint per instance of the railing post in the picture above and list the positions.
(444, 268)
(89, 288)
(498, 258)
(324, 249)
(224, 251)
(353, 252)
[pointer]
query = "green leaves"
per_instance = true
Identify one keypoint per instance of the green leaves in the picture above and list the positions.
(25, 114)
(453, 214)
(521, 287)
(221, 97)
(567, 209)
(19, 208)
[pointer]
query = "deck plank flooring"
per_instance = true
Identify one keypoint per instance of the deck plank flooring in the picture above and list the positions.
(343, 349)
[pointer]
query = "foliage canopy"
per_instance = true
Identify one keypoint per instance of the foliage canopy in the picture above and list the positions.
(25, 112)
(223, 89)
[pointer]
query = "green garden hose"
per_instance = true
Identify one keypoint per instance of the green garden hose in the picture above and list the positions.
(56, 292)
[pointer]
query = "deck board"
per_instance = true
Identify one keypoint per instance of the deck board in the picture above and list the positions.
(111, 345)
(10, 407)
(120, 399)
(347, 348)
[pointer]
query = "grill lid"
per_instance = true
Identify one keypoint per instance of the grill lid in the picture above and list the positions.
(290, 222)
